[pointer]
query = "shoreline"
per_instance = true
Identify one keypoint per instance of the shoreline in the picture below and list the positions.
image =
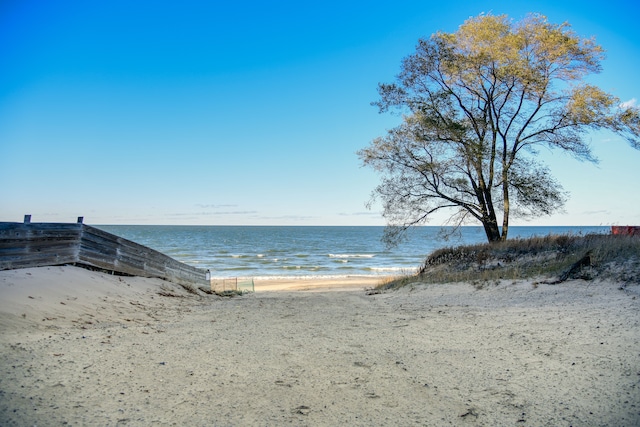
(317, 284)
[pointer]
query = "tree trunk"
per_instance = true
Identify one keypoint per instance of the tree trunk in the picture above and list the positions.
(491, 229)
(489, 220)
(505, 213)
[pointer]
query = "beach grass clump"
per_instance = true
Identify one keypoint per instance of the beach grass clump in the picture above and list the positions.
(229, 293)
(166, 291)
(394, 282)
(189, 288)
(206, 290)
(553, 256)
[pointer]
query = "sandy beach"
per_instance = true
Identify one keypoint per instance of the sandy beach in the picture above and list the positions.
(79, 347)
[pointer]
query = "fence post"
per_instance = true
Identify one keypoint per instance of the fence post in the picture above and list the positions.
(27, 219)
(80, 219)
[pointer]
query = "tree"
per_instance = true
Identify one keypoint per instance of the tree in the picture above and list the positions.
(478, 104)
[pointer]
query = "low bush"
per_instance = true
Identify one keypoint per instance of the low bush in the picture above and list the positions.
(598, 255)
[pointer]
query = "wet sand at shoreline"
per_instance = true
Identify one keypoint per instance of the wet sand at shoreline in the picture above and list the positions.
(318, 284)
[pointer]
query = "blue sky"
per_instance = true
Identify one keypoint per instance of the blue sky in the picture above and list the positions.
(152, 112)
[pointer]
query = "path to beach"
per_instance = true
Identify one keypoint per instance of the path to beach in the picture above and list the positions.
(82, 348)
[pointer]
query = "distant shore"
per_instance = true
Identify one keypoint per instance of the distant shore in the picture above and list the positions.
(86, 348)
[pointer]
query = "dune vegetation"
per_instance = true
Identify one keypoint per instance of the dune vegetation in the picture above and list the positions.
(549, 259)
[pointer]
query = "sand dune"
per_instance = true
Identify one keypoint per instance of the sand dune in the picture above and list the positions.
(80, 347)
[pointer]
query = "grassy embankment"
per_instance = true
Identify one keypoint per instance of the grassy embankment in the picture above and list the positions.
(550, 259)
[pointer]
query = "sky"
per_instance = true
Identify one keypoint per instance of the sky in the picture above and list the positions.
(250, 112)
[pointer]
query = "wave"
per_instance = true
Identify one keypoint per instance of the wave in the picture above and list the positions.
(234, 268)
(259, 257)
(351, 255)
(407, 270)
(304, 267)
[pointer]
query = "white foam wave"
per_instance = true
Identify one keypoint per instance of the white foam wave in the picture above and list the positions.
(395, 269)
(351, 255)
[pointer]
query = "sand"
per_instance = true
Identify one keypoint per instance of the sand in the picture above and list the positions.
(79, 347)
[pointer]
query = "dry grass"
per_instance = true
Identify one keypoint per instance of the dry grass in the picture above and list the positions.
(166, 291)
(610, 256)
(229, 293)
(189, 288)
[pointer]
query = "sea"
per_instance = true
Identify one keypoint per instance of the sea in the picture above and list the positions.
(264, 252)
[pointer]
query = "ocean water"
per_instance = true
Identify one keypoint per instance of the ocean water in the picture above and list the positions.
(306, 251)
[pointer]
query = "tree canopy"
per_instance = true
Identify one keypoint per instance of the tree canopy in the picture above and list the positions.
(477, 105)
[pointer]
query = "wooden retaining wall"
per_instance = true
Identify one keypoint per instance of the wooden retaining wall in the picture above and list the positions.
(29, 244)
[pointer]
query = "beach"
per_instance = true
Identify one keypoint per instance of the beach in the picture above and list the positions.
(80, 347)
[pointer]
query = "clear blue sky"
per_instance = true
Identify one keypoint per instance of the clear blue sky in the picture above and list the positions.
(152, 112)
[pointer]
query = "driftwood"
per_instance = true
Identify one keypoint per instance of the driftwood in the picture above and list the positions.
(585, 261)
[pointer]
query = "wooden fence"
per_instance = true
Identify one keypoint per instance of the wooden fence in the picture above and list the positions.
(42, 244)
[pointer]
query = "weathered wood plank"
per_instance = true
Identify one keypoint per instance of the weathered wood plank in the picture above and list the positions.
(36, 245)
(37, 260)
(39, 244)
(133, 258)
